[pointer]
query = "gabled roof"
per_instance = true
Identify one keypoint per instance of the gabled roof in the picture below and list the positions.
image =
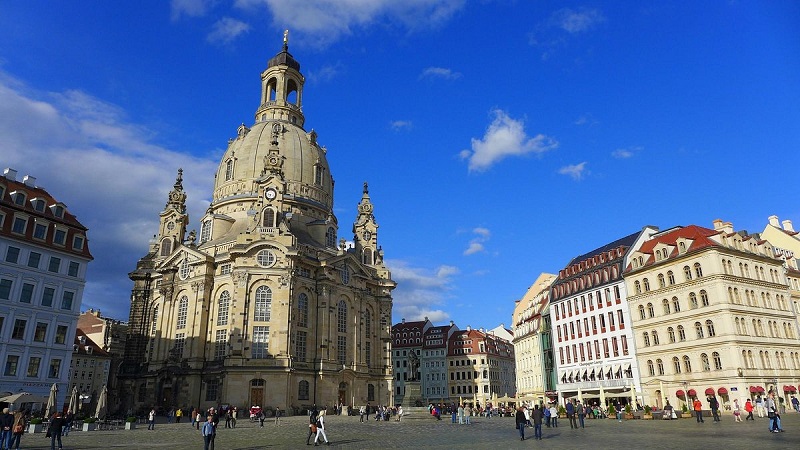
(699, 236)
(87, 343)
(626, 241)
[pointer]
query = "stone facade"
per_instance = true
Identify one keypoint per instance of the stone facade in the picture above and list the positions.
(267, 306)
(528, 340)
(712, 316)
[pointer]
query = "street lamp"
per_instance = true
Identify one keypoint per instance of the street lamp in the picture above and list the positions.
(686, 394)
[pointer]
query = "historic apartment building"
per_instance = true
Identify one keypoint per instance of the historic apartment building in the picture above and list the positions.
(480, 366)
(433, 363)
(529, 341)
(267, 305)
(594, 348)
(89, 372)
(407, 339)
(44, 254)
(712, 316)
(109, 335)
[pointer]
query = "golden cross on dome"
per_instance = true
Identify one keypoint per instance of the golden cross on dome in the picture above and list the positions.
(286, 38)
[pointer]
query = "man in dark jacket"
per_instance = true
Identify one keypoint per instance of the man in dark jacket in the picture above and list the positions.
(536, 417)
(56, 426)
(571, 414)
(6, 422)
(520, 419)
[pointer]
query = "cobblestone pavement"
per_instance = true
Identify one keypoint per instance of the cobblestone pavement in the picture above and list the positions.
(427, 433)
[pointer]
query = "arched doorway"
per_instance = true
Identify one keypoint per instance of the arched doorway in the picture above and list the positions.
(343, 394)
(257, 392)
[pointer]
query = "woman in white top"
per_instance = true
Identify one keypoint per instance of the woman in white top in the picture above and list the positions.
(321, 428)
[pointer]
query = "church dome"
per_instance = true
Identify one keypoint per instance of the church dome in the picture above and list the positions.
(277, 151)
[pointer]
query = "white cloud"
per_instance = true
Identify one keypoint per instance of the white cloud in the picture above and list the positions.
(575, 171)
(399, 125)
(324, 73)
(476, 244)
(586, 119)
(189, 8)
(77, 146)
(439, 72)
(624, 153)
(574, 22)
(226, 30)
(325, 21)
(504, 137)
(420, 292)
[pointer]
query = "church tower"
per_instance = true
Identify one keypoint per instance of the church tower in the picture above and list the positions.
(267, 306)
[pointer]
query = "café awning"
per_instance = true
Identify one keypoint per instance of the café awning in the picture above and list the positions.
(680, 393)
(709, 391)
(722, 391)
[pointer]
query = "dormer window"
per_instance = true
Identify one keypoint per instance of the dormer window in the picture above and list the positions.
(682, 246)
(38, 204)
(39, 231)
(58, 210)
(19, 197)
(269, 217)
(60, 236)
(77, 242)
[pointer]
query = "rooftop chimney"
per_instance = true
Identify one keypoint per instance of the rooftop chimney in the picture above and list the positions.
(787, 225)
(11, 174)
(773, 220)
(29, 181)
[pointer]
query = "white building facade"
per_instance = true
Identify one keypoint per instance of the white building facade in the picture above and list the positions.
(527, 339)
(43, 259)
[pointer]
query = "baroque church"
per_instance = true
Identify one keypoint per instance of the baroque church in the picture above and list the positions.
(268, 305)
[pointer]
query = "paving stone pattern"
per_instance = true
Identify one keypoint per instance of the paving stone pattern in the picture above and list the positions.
(496, 432)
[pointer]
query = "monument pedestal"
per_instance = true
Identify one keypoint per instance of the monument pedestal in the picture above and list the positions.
(410, 409)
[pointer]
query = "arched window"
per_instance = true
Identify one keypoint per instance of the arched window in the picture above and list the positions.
(693, 300)
(302, 310)
(268, 218)
(641, 312)
(205, 231)
(263, 304)
(341, 317)
(229, 169)
(751, 359)
(738, 326)
(655, 337)
(302, 390)
(676, 304)
(671, 277)
(717, 361)
(671, 335)
(676, 364)
(222, 308)
(681, 333)
(698, 270)
(704, 362)
(710, 328)
(650, 310)
(651, 368)
(646, 283)
(183, 309)
(744, 359)
(704, 298)
(687, 364)
(368, 256)
(646, 339)
(698, 328)
(661, 282)
(637, 287)
(660, 365)
(687, 273)
(665, 305)
(166, 246)
(330, 237)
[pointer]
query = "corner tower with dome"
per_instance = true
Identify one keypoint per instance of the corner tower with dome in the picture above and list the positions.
(268, 305)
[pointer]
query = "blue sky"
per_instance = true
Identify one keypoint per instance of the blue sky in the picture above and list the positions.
(499, 138)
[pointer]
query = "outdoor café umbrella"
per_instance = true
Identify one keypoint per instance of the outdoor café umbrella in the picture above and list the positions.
(52, 401)
(73, 400)
(100, 413)
(23, 397)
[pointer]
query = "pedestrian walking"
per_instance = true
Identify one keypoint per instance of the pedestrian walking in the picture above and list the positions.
(571, 415)
(759, 406)
(178, 415)
(698, 410)
(467, 414)
(151, 419)
(748, 406)
(714, 404)
(519, 419)
(312, 424)
(68, 419)
(400, 413)
(547, 418)
(537, 417)
(54, 430)
(278, 415)
(209, 433)
(321, 428)
(772, 413)
(581, 411)
(737, 411)
(6, 423)
(553, 416)
(17, 430)
(361, 412)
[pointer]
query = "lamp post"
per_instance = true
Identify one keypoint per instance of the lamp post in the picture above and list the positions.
(686, 394)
